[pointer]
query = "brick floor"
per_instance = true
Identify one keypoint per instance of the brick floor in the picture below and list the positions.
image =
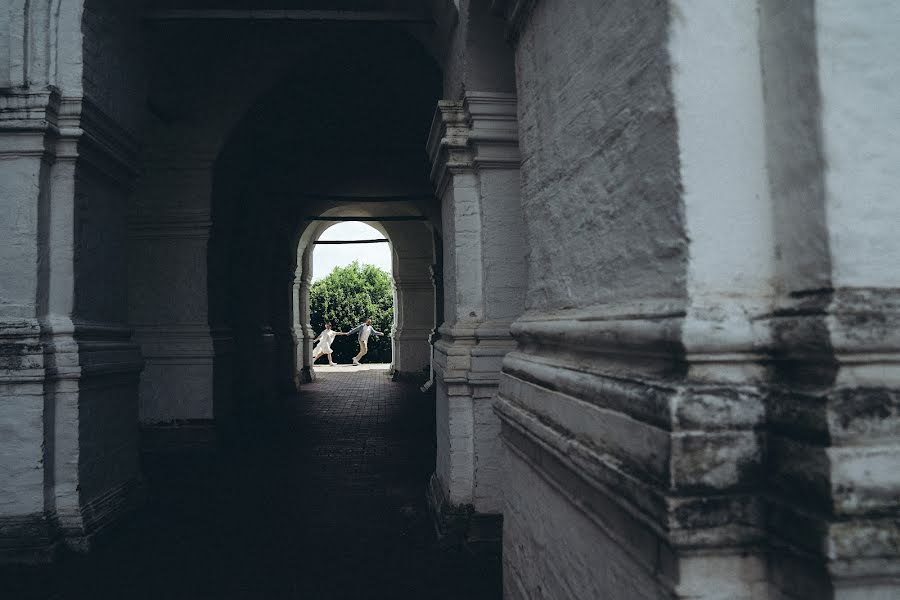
(327, 502)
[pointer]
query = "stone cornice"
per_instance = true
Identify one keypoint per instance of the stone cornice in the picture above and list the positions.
(90, 135)
(478, 132)
(797, 375)
(447, 145)
(187, 224)
(630, 503)
(848, 325)
(28, 123)
(41, 123)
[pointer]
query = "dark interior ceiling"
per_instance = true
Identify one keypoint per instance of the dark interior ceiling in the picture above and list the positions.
(357, 119)
(416, 6)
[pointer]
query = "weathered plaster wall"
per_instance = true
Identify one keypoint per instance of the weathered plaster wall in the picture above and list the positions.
(859, 85)
(585, 150)
(577, 558)
(474, 52)
(697, 368)
(607, 279)
(504, 273)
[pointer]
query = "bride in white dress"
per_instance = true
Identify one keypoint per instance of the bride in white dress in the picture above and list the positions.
(324, 346)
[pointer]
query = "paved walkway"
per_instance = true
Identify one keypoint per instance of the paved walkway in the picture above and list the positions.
(328, 503)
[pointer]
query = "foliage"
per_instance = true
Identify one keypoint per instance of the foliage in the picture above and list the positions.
(346, 297)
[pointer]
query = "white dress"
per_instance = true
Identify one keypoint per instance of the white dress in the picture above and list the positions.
(325, 339)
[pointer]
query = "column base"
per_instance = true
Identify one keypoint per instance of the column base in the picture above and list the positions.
(306, 375)
(417, 377)
(39, 538)
(28, 540)
(460, 525)
(82, 531)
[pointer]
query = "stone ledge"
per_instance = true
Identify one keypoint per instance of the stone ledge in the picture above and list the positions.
(654, 397)
(686, 521)
(28, 123)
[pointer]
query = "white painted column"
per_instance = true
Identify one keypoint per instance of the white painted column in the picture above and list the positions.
(834, 441)
(474, 151)
(303, 331)
(412, 251)
(415, 314)
(632, 405)
(26, 123)
(728, 219)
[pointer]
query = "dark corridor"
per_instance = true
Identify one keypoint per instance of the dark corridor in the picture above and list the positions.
(326, 503)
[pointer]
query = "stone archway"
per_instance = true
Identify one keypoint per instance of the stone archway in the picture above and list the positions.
(244, 176)
(414, 291)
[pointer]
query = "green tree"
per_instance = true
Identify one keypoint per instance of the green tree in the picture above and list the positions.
(347, 297)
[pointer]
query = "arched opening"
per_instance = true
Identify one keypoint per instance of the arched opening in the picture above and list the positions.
(412, 259)
(304, 157)
(352, 281)
(305, 325)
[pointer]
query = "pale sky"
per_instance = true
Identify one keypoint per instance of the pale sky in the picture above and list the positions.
(327, 257)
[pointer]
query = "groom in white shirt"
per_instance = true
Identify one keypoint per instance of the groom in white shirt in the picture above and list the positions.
(364, 330)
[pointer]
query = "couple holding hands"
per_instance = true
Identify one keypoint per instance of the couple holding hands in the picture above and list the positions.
(363, 330)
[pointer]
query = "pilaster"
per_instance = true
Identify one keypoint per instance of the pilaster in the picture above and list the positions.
(72, 390)
(415, 298)
(303, 331)
(633, 406)
(28, 131)
(475, 161)
(173, 257)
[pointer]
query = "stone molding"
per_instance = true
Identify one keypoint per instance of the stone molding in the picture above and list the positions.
(425, 284)
(459, 347)
(93, 349)
(28, 123)
(478, 132)
(185, 343)
(753, 386)
(187, 224)
(57, 348)
(23, 358)
(862, 325)
(67, 128)
(98, 141)
(645, 469)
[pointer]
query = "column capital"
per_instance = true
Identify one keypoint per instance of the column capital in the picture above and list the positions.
(29, 123)
(478, 132)
(89, 134)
